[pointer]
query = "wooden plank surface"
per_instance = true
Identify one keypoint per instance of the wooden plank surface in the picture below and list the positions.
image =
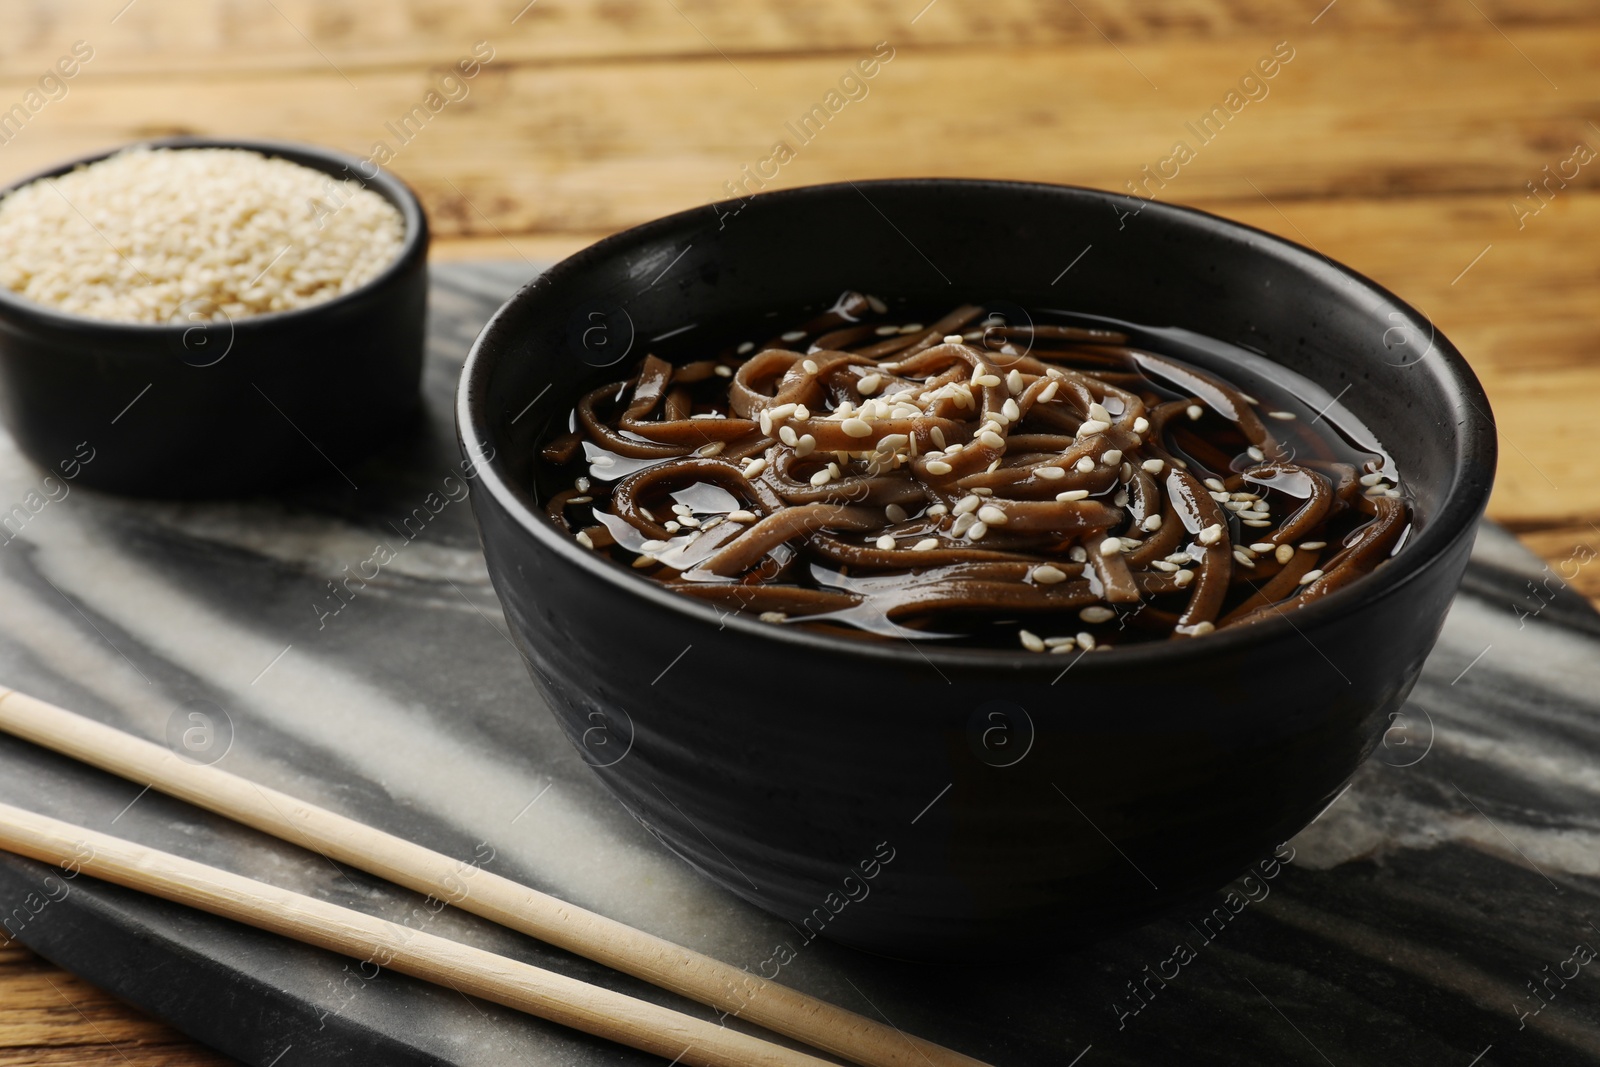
(1396, 140)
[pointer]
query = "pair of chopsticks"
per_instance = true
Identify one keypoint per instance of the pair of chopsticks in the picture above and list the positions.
(672, 1035)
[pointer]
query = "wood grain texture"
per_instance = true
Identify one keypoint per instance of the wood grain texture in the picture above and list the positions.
(1396, 141)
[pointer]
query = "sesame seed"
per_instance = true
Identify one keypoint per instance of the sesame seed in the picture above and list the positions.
(672, 526)
(833, 468)
(1255, 522)
(1151, 523)
(1072, 494)
(1153, 466)
(1011, 411)
(1030, 640)
(1078, 554)
(1261, 506)
(992, 439)
(1096, 613)
(1183, 578)
(682, 509)
(580, 499)
(911, 327)
(754, 466)
(856, 427)
(977, 530)
(1312, 546)
(937, 435)
(781, 412)
(988, 381)
(794, 335)
(938, 467)
(712, 449)
(581, 484)
(822, 477)
(1046, 574)
(1211, 534)
(773, 616)
(653, 545)
(869, 384)
(992, 515)
(1048, 393)
(885, 331)
(964, 522)
(1049, 474)
(801, 413)
(968, 503)
(807, 365)
(742, 516)
(1244, 558)
(925, 544)
(1200, 629)
(1163, 565)
(1014, 381)
(886, 542)
(723, 370)
(982, 490)
(641, 562)
(689, 520)
(1372, 479)
(1111, 457)
(1098, 413)
(1111, 546)
(603, 461)
(938, 509)
(1283, 415)
(1087, 641)
(1084, 465)
(952, 338)
(1261, 546)
(1255, 453)
(746, 348)
(1231, 505)
(1141, 424)
(583, 539)
(1310, 576)
(1120, 498)
(788, 436)
(1283, 553)
(1215, 485)
(895, 512)
(1092, 426)
(1194, 411)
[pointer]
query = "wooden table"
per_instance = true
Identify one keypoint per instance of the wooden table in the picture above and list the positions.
(1448, 149)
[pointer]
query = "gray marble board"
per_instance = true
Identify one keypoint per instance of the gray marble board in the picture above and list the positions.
(1441, 911)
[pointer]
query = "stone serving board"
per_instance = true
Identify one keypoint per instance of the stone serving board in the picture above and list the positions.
(1443, 910)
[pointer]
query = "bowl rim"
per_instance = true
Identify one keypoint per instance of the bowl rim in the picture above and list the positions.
(328, 161)
(1462, 504)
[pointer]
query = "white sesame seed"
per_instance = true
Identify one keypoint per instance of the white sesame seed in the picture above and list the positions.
(925, 544)
(1200, 629)
(1048, 393)
(856, 427)
(773, 616)
(1215, 485)
(581, 484)
(1045, 574)
(938, 467)
(1372, 479)
(886, 542)
(1153, 466)
(723, 370)
(1231, 505)
(982, 490)
(1098, 413)
(833, 468)
(988, 381)
(746, 348)
(782, 411)
(938, 509)
(754, 466)
(1183, 578)
(822, 477)
(794, 335)
(1011, 411)
(672, 526)
(992, 439)
(742, 516)
(1049, 474)
(1283, 415)
(968, 503)
(1261, 506)
(1211, 534)
(1151, 523)
(1030, 640)
(1244, 558)
(583, 539)
(1163, 565)
(1120, 498)
(911, 327)
(977, 530)
(964, 522)
(1111, 457)
(1084, 465)
(1072, 494)
(603, 462)
(1312, 546)
(807, 365)
(1261, 546)
(1310, 576)
(1014, 381)
(1283, 553)
(952, 338)
(1078, 554)
(1111, 546)
(1096, 613)
(1092, 426)
(869, 384)
(1141, 424)
(712, 449)
(787, 435)
(993, 516)
(1255, 453)
(690, 520)
(653, 545)
(885, 331)
(580, 499)
(937, 435)
(1194, 411)
(1087, 641)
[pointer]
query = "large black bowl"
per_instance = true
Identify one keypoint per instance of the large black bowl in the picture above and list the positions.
(925, 801)
(209, 408)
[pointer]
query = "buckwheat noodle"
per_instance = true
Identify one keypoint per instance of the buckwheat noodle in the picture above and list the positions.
(911, 481)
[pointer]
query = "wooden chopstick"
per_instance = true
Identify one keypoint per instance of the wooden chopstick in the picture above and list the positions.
(683, 971)
(637, 1023)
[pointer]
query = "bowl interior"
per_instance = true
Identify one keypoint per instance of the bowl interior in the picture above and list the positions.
(948, 242)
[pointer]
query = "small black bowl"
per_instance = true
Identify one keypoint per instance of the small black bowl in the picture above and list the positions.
(925, 801)
(209, 408)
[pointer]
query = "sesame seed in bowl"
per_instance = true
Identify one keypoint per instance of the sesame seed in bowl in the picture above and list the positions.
(210, 317)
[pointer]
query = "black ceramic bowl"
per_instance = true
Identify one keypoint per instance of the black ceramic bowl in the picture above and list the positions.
(925, 801)
(203, 408)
